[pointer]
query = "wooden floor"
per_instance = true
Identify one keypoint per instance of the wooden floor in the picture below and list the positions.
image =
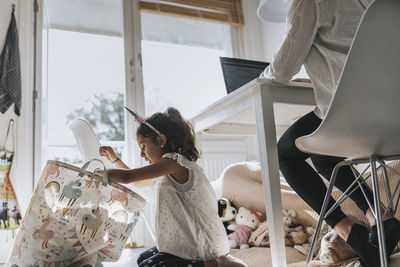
(128, 258)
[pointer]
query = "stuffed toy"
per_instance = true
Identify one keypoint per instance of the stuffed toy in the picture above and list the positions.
(246, 222)
(289, 219)
(227, 212)
(334, 249)
(300, 238)
(260, 237)
(296, 235)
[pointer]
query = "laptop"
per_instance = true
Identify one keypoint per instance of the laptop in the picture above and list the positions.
(237, 72)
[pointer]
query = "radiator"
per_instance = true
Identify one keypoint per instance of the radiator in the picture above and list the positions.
(214, 163)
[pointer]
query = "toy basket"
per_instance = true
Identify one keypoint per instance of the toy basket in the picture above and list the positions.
(75, 216)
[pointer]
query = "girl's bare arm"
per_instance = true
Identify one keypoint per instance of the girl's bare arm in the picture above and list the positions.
(162, 167)
(121, 164)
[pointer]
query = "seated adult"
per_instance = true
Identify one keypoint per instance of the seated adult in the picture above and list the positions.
(319, 36)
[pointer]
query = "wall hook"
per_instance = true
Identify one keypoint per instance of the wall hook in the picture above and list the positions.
(13, 7)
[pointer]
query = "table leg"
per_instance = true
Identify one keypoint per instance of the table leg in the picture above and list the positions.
(266, 134)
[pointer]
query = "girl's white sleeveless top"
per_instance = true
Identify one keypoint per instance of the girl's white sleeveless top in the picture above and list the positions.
(187, 221)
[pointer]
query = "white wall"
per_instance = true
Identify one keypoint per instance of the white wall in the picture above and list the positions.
(252, 32)
(21, 172)
(273, 35)
(22, 165)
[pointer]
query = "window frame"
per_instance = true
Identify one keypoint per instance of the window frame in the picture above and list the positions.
(134, 90)
(134, 71)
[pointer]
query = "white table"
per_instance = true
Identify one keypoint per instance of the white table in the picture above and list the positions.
(234, 114)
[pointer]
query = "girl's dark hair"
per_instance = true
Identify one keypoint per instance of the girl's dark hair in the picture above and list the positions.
(179, 132)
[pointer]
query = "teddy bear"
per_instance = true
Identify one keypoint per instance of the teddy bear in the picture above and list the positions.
(246, 221)
(227, 212)
(299, 237)
(295, 234)
(289, 218)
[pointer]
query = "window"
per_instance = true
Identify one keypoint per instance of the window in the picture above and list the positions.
(84, 78)
(181, 62)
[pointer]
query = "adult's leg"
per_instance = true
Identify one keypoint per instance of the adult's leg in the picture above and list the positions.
(298, 173)
(310, 187)
(325, 165)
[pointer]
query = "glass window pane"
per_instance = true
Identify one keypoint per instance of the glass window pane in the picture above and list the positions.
(86, 79)
(181, 65)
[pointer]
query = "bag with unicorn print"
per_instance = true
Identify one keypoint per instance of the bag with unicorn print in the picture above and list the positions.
(10, 214)
(75, 218)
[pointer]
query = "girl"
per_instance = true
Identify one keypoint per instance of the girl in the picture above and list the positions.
(188, 229)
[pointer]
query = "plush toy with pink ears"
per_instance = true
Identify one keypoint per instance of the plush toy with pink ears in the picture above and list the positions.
(246, 221)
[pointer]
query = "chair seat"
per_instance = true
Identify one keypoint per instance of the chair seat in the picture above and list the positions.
(350, 147)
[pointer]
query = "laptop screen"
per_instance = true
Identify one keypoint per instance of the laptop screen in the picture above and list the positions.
(237, 72)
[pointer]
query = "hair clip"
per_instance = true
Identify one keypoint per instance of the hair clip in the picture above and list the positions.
(142, 120)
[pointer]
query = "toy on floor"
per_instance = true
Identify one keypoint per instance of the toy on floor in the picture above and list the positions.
(296, 235)
(227, 212)
(246, 222)
(301, 238)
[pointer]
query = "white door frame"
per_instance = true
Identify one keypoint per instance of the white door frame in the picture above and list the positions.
(37, 103)
(134, 97)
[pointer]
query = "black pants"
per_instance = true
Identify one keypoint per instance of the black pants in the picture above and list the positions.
(153, 257)
(305, 180)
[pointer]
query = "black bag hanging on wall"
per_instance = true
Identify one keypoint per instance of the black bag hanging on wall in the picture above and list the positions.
(10, 72)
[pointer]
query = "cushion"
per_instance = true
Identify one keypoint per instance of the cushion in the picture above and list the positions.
(242, 184)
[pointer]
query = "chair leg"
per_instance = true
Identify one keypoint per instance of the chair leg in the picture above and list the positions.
(322, 213)
(388, 192)
(395, 191)
(379, 220)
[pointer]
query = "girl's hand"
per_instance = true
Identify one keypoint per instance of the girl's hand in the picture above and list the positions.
(109, 153)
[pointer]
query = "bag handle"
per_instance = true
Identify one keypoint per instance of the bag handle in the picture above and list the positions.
(10, 124)
(105, 176)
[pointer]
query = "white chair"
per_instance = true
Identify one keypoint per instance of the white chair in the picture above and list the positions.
(89, 145)
(363, 120)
